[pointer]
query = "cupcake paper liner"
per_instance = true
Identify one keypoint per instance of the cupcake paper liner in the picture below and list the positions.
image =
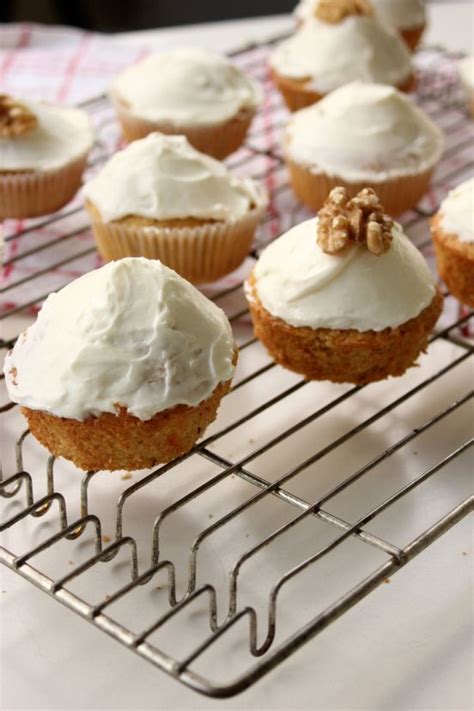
(396, 195)
(35, 193)
(297, 95)
(200, 254)
(217, 140)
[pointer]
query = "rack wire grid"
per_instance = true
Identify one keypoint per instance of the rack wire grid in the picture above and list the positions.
(300, 500)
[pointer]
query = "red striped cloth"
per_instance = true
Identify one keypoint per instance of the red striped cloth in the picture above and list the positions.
(68, 66)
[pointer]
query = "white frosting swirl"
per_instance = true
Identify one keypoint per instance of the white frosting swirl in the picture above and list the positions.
(132, 333)
(164, 177)
(299, 283)
(186, 86)
(62, 135)
(330, 55)
(457, 212)
(401, 14)
(364, 132)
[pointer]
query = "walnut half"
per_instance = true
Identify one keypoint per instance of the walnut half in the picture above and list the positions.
(16, 119)
(334, 11)
(361, 220)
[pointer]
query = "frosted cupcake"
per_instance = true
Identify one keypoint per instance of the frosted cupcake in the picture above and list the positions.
(124, 368)
(342, 43)
(345, 296)
(453, 236)
(408, 17)
(466, 77)
(187, 92)
(160, 198)
(43, 150)
(362, 135)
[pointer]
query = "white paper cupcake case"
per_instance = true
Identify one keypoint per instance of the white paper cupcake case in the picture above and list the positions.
(35, 193)
(200, 254)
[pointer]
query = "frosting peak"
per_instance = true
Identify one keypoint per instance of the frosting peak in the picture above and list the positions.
(364, 132)
(327, 56)
(186, 86)
(131, 334)
(164, 177)
(299, 283)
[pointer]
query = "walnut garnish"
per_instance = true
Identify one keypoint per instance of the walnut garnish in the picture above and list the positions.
(361, 220)
(16, 119)
(333, 11)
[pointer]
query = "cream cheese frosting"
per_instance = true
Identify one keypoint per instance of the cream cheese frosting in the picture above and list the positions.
(331, 55)
(164, 177)
(132, 333)
(457, 212)
(186, 86)
(466, 71)
(364, 132)
(299, 283)
(401, 14)
(62, 135)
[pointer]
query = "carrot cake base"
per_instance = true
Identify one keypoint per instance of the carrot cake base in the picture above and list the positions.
(123, 441)
(455, 261)
(343, 356)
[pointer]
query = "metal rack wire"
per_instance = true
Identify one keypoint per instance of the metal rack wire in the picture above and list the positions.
(311, 522)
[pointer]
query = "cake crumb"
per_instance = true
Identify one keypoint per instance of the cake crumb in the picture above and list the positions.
(387, 581)
(127, 475)
(106, 539)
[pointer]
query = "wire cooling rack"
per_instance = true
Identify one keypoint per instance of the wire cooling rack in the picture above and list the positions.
(302, 498)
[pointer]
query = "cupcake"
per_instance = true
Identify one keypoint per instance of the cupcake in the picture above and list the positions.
(43, 152)
(342, 43)
(408, 17)
(466, 77)
(453, 236)
(345, 296)
(160, 198)
(362, 135)
(187, 92)
(124, 368)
